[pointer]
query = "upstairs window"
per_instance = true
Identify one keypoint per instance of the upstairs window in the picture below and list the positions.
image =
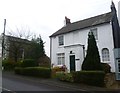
(95, 33)
(105, 55)
(61, 40)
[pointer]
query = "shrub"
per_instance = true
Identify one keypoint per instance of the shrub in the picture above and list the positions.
(18, 70)
(106, 67)
(28, 63)
(44, 61)
(8, 64)
(92, 59)
(18, 64)
(89, 77)
(64, 76)
(34, 71)
(57, 69)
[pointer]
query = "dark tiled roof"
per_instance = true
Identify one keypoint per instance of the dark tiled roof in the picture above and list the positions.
(100, 19)
(17, 39)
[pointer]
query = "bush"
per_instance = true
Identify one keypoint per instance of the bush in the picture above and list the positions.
(57, 69)
(92, 59)
(28, 63)
(18, 70)
(106, 67)
(34, 71)
(8, 64)
(89, 77)
(44, 61)
(64, 76)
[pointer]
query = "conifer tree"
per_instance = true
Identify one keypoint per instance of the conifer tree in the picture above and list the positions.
(92, 59)
(41, 43)
(37, 49)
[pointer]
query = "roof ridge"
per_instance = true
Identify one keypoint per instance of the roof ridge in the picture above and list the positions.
(91, 17)
(85, 23)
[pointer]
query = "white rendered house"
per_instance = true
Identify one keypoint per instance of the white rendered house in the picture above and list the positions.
(69, 44)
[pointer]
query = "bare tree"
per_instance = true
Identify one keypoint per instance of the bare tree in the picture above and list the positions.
(23, 32)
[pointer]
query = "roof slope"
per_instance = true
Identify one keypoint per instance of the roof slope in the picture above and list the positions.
(100, 19)
(16, 39)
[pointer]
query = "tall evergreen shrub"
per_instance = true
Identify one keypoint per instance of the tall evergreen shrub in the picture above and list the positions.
(92, 59)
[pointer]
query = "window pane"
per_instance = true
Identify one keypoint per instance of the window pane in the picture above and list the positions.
(119, 65)
(58, 60)
(61, 40)
(105, 55)
(61, 58)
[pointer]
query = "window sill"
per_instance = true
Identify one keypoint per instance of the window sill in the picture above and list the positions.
(106, 62)
(59, 65)
(61, 46)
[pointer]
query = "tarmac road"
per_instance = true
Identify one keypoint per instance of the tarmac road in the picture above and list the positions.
(15, 83)
(12, 83)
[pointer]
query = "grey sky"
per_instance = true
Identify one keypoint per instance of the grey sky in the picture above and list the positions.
(44, 17)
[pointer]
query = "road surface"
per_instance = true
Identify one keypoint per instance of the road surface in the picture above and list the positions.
(18, 83)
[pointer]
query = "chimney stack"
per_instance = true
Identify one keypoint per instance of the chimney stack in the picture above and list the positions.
(67, 21)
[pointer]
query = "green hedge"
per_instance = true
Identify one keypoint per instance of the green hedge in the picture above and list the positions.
(29, 63)
(64, 76)
(34, 71)
(89, 77)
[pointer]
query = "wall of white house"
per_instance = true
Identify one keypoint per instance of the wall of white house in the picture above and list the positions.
(0, 46)
(77, 50)
(105, 40)
(119, 12)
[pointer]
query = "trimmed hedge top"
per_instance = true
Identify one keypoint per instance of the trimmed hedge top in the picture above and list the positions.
(34, 71)
(89, 77)
(29, 63)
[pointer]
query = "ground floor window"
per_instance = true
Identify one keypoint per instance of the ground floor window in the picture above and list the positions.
(61, 58)
(118, 65)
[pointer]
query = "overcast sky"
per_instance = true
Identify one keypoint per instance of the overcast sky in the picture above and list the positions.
(44, 17)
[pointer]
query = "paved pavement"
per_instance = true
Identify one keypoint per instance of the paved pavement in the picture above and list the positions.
(56, 83)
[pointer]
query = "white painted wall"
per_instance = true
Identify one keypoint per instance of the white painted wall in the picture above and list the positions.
(0, 46)
(78, 52)
(105, 40)
(119, 12)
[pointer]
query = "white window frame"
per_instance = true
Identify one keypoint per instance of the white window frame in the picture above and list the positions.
(105, 55)
(95, 33)
(61, 40)
(61, 59)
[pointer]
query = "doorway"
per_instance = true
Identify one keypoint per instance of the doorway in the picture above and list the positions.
(72, 63)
